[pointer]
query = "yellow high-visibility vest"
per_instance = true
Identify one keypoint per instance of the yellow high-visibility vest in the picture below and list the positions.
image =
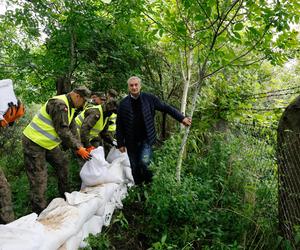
(41, 130)
(99, 126)
(112, 120)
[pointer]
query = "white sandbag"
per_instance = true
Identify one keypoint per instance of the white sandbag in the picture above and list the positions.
(101, 210)
(7, 95)
(25, 233)
(60, 220)
(63, 222)
(73, 242)
(117, 169)
(109, 210)
(126, 161)
(104, 191)
(95, 172)
(76, 198)
(116, 157)
(119, 195)
(120, 168)
(113, 154)
(98, 154)
(128, 176)
(93, 226)
(109, 192)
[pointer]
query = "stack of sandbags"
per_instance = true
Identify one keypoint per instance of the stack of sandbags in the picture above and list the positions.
(65, 224)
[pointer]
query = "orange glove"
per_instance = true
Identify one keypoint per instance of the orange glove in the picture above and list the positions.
(84, 153)
(3, 123)
(90, 148)
(20, 110)
(10, 113)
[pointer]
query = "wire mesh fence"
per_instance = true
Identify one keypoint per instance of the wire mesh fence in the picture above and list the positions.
(279, 148)
(257, 153)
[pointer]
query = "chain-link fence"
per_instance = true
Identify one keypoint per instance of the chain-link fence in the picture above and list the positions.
(257, 164)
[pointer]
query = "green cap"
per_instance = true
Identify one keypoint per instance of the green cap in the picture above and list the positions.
(113, 93)
(83, 92)
(100, 94)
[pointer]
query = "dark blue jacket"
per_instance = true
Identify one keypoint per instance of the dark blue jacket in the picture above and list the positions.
(150, 103)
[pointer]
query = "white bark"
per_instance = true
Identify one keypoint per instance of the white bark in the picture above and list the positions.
(184, 140)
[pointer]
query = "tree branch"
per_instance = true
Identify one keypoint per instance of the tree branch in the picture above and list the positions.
(207, 16)
(158, 23)
(249, 63)
(234, 16)
(242, 55)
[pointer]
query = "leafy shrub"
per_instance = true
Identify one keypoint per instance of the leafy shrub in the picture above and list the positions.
(227, 196)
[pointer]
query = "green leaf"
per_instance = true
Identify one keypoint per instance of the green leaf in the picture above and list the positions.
(163, 238)
(237, 35)
(238, 26)
(161, 31)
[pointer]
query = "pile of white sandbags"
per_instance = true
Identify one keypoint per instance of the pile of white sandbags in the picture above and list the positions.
(64, 224)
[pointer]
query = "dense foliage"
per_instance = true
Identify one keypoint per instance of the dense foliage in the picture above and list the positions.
(227, 198)
(223, 62)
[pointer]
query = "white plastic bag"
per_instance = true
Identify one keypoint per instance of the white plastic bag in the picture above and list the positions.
(93, 226)
(25, 233)
(63, 221)
(7, 95)
(95, 171)
(76, 198)
(109, 210)
(113, 154)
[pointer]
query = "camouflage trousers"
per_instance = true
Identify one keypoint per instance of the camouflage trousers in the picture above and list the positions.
(35, 158)
(6, 209)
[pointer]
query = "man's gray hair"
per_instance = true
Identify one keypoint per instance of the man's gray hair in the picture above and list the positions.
(134, 78)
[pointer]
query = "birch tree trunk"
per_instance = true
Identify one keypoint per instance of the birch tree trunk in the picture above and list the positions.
(186, 71)
(184, 140)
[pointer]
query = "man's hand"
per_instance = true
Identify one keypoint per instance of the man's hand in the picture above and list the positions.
(122, 149)
(114, 143)
(187, 121)
(84, 153)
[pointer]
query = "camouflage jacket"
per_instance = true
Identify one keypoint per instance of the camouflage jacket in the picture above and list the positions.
(92, 115)
(58, 111)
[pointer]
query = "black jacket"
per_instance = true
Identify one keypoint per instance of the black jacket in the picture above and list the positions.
(150, 103)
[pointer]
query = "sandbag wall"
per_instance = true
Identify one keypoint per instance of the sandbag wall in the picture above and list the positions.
(65, 223)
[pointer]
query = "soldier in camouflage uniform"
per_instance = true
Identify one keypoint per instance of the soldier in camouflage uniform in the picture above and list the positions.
(52, 127)
(98, 98)
(112, 95)
(92, 124)
(6, 210)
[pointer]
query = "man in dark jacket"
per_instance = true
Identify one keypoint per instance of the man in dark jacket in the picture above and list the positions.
(136, 128)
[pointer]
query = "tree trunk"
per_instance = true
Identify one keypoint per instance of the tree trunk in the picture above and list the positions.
(63, 85)
(186, 70)
(184, 140)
